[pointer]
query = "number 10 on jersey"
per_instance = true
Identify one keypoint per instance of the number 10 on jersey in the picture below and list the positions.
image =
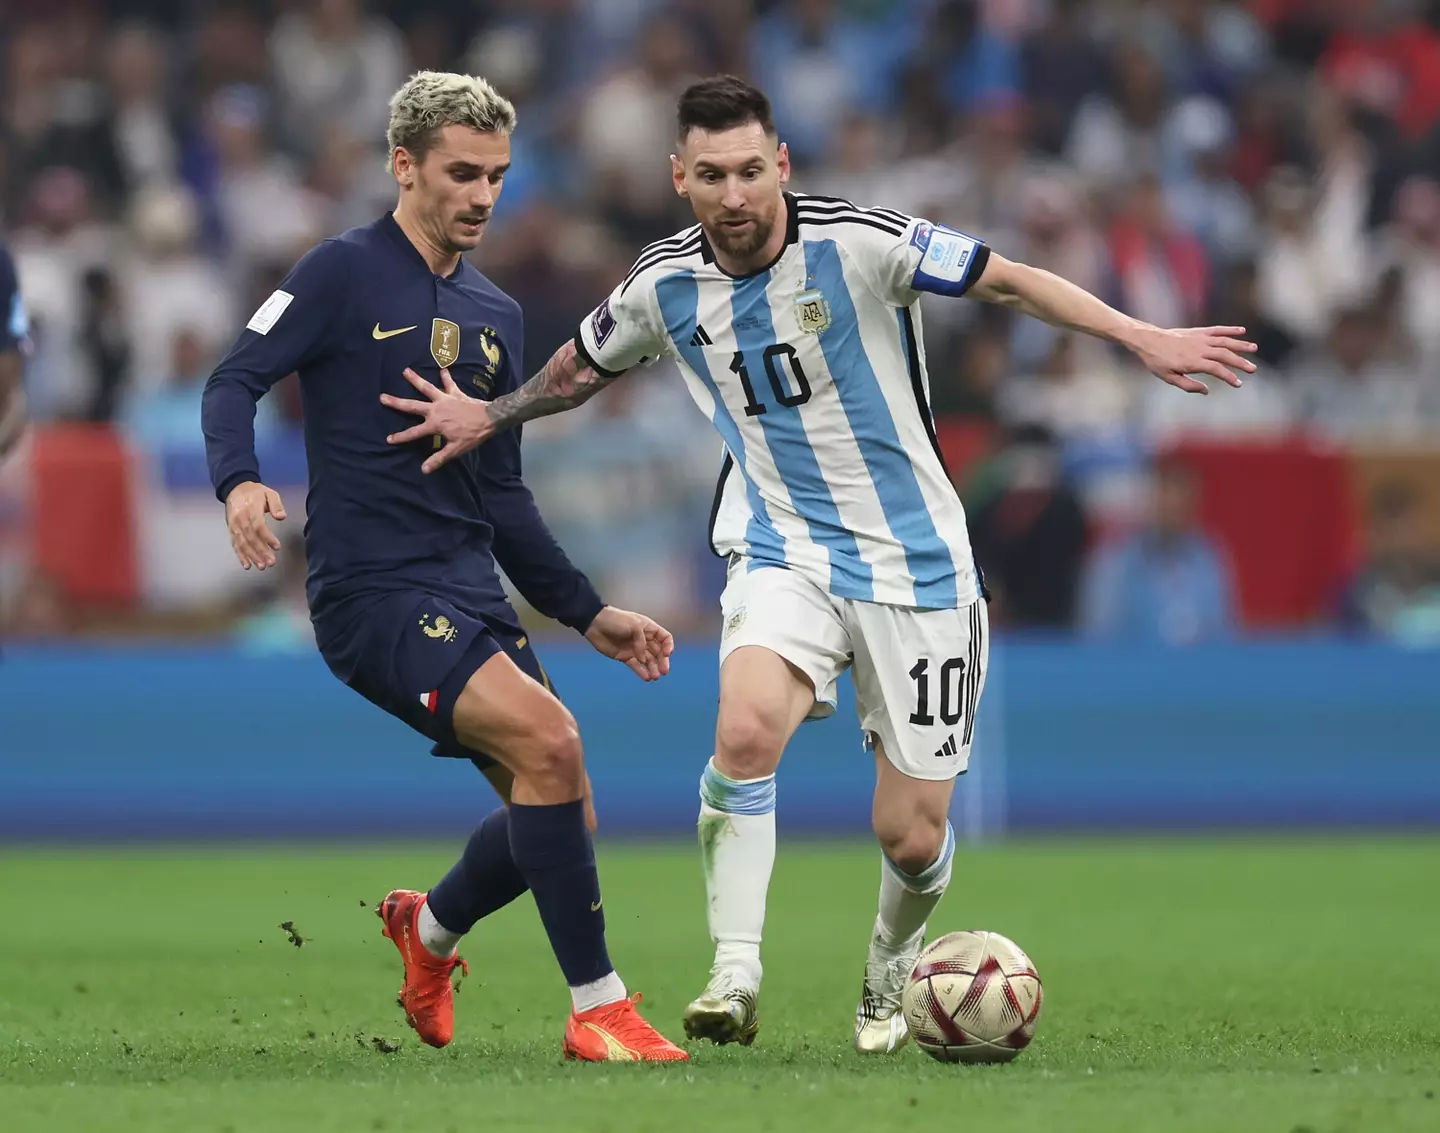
(780, 383)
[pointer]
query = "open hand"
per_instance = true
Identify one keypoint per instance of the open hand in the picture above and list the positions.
(462, 421)
(1174, 356)
(245, 509)
(640, 642)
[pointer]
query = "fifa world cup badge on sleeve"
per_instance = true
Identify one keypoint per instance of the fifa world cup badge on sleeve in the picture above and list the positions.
(602, 323)
(445, 342)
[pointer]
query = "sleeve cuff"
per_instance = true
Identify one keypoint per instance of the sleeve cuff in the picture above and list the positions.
(583, 610)
(585, 357)
(231, 482)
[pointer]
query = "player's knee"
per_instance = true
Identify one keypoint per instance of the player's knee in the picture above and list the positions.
(913, 846)
(747, 745)
(556, 758)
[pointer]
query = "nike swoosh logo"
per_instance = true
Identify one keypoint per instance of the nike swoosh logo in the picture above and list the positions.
(379, 334)
(595, 905)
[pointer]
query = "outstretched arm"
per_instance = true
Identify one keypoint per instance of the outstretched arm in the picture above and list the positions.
(566, 381)
(464, 422)
(1171, 355)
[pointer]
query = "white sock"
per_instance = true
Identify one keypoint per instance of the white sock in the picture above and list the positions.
(737, 848)
(907, 900)
(437, 939)
(597, 993)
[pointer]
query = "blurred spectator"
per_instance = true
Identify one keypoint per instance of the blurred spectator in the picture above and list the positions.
(1029, 535)
(1057, 234)
(56, 109)
(1202, 195)
(142, 129)
(1062, 65)
(1070, 398)
(1117, 133)
(627, 132)
(969, 385)
(1168, 582)
(1353, 389)
(1236, 302)
(1162, 274)
(169, 286)
(817, 64)
(165, 416)
(1312, 258)
(263, 210)
(1207, 48)
(1386, 60)
(1412, 249)
(1395, 596)
(60, 242)
(104, 341)
(335, 68)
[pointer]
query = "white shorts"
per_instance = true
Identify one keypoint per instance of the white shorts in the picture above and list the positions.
(918, 673)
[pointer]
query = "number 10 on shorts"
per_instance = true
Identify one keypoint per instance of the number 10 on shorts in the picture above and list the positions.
(951, 678)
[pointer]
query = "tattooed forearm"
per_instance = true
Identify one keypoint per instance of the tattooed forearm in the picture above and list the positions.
(564, 383)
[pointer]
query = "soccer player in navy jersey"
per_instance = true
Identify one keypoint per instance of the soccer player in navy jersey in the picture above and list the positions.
(403, 588)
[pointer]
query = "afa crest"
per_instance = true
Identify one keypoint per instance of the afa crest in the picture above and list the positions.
(813, 311)
(441, 628)
(445, 342)
(734, 622)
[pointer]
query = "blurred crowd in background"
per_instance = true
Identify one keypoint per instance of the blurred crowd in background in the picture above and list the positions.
(1271, 163)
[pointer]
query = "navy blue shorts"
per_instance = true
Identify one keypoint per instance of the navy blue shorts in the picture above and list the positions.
(412, 655)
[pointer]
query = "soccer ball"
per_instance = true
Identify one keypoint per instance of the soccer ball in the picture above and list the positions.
(972, 997)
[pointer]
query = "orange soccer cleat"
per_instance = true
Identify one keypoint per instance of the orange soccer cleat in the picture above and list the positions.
(426, 995)
(617, 1032)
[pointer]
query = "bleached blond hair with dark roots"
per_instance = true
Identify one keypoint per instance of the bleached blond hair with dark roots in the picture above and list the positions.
(432, 100)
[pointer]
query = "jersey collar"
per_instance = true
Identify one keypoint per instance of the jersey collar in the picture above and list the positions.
(792, 236)
(388, 225)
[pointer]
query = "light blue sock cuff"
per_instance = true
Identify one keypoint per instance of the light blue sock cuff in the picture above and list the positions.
(736, 796)
(927, 877)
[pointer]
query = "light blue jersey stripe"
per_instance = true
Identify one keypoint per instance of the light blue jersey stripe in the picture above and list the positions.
(926, 555)
(790, 447)
(679, 298)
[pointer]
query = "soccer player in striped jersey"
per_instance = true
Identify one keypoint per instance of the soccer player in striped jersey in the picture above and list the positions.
(796, 325)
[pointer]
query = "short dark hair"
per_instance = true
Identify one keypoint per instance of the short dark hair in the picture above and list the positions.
(722, 102)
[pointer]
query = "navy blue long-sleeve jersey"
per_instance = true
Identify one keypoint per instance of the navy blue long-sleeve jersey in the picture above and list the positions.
(350, 317)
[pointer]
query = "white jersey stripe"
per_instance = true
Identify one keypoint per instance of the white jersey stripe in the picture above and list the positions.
(891, 466)
(678, 295)
(790, 447)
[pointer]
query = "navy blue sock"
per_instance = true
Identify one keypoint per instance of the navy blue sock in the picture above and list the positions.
(483, 880)
(553, 852)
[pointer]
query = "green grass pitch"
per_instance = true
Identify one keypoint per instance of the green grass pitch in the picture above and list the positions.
(1201, 986)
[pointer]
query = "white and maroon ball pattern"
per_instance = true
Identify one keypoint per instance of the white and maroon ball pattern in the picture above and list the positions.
(972, 997)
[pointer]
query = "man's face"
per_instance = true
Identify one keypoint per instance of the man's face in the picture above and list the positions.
(457, 184)
(733, 179)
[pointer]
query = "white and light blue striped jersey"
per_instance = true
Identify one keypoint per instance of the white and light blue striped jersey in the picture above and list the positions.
(813, 373)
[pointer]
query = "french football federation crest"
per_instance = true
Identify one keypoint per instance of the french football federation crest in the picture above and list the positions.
(445, 342)
(490, 348)
(813, 311)
(441, 628)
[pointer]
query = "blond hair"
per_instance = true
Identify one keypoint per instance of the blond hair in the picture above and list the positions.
(432, 100)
